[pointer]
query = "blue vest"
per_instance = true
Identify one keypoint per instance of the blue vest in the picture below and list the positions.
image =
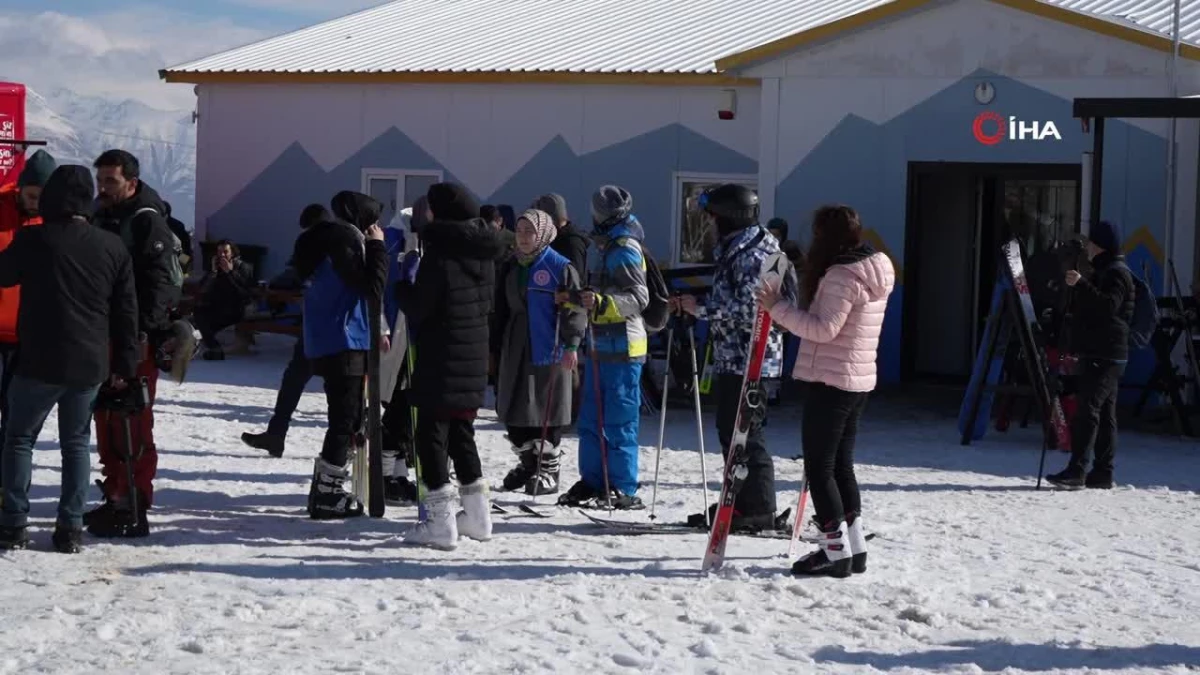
(335, 316)
(545, 277)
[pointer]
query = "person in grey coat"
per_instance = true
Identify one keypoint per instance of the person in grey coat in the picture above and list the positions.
(535, 342)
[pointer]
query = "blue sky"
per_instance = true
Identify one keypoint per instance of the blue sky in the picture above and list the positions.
(114, 48)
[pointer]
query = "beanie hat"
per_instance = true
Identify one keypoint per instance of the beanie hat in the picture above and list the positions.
(356, 208)
(451, 202)
(37, 170)
(554, 205)
(68, 192)
(611, 202)
(1107, 236)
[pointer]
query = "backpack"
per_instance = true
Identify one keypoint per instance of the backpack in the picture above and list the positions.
(176, 269)
(1145, 317)
(658, 311)
(184, 250)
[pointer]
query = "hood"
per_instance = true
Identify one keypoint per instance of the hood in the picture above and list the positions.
(629, 226)
(468, 239)
(69, 192)
(360, 210)
(873, 268)
(144, 197)
(730, 244)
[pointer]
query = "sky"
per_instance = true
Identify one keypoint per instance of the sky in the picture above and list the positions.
(114, 48)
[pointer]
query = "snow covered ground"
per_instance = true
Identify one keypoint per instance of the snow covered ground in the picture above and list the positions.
(972, 571)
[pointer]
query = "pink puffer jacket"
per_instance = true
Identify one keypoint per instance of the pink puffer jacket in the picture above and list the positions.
(839, 334)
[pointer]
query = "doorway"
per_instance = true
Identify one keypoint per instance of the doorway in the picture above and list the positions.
(958, 216)
(397, 189)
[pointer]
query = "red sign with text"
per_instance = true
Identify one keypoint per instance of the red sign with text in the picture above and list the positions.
(12, 125)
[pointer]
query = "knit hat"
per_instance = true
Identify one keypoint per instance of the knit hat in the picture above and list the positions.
(356, 208)
(611, 202)
(1107, 236)
(37, 170)
(554, 205)
(68, 192)
(451, 202)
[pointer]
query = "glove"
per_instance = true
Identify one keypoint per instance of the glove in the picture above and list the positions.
(409, 266)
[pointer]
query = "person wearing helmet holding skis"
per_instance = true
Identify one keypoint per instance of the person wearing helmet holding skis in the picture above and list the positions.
(743, 245)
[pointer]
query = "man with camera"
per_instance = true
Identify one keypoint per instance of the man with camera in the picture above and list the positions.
(77, 283)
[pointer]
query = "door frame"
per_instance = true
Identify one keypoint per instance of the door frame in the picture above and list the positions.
(979, 171)
(678, 178)
(398, 175)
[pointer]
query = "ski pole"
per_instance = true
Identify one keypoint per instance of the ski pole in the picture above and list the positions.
(798, 526)
(699, 419)
(662, 416)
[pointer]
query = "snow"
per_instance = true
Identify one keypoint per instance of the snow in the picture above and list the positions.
(972, 570)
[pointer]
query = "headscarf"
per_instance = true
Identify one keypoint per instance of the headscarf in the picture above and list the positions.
(544, 233)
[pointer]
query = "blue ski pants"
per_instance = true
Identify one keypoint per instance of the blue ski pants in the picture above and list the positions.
(621, 401)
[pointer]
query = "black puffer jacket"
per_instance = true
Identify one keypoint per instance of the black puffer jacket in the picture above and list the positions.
(1102, 307)
(573, 244)
(447, 310)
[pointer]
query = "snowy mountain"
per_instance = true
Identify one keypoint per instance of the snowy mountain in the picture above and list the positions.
(78, 128)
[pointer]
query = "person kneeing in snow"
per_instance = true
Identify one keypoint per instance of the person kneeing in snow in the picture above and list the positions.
(346, 262)
(536, 343)
(742, 249)
(447, 293)
(612, 390)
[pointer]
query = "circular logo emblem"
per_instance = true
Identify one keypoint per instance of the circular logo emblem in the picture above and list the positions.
(981, 126)
(541, 278)
(158, 247)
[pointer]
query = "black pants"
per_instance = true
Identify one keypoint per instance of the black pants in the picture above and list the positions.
(343, 375)
(295, 378)
(212, 319)
(1095, 423)
(519, 436)
(8, 362)
(440, 436)
(757, 496)
(828, 432)
(397, 423)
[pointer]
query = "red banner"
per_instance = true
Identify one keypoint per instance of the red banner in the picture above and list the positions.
(12, 125)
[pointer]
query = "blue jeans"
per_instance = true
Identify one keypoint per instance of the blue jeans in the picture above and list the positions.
(30, 402)
(621, 393)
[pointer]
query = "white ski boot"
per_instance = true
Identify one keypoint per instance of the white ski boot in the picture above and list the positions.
(440, 527)
(832, 558)
(475, 519)
(858, 543)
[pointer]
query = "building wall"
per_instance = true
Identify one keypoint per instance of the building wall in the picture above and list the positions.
(854, 112)
(266, 151)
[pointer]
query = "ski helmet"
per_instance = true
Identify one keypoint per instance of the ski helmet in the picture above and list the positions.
(734, 206)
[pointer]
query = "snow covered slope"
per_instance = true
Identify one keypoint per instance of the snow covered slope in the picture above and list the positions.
(973, 570)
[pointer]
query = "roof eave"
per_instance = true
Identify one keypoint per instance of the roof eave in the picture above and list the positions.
(457, 77)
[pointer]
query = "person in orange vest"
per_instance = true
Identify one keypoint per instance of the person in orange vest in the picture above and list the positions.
(18, 208)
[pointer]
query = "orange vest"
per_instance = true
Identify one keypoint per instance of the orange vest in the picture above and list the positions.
(10, 222)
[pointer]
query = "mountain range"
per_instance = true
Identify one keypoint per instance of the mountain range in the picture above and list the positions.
(78, 128)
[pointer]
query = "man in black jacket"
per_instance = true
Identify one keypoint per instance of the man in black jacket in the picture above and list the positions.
(79, 298)
(1103, 307)
(224, 292)
(447, 298)
(134, 212)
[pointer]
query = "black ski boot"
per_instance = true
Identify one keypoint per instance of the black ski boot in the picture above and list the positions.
(268, 441)
(14, 538)
(619, 501)
(525, 470)
(327, 498)
(118, 521)
(1070, 478)
(67, 539)
(545, 481)
(399, 491)
(832, 559)
(762, 522)
(580, 494)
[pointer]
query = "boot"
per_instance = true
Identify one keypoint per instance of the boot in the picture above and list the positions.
(118, 521)
(857, 541)
(14, 538)
(1099, 479)
(475, 519)
(580, 493)
(1070, 478)
(762, 522)
(440, 528)
(67, 539)
(268, 441)
(520, 475)
(327, 498)
(832, 558)
(545, 480)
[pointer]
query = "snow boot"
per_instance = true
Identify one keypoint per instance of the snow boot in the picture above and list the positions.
(525, 470)
(580, 493)
(857, 541)
(327, 498)
(14, 538)
(268, 441)
(545, 481)
(1070, 478)
(67, 539)
(1099, 479)
(440, 528)
(475, 519)
(761, 522)
(832, 559)
(115, 519)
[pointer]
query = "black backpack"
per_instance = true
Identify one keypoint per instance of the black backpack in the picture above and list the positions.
(658, 312)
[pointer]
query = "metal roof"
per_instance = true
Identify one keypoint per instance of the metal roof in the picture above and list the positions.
(577, 36)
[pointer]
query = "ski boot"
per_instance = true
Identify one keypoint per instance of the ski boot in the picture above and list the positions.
(832, 559)
(520, 475)
(857, 541)
(268, 441)
(545, 480)
(619, 501)
(761, 522)
(327, 498)
(440, 529)
(116, 520)
(579, 495)
(474, 521)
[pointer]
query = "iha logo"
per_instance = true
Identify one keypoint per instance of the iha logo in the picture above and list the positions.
(991, 127)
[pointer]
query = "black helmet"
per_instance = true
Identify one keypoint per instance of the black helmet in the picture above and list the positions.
(733, 203)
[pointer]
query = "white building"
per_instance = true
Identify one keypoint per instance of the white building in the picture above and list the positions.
(885, 106)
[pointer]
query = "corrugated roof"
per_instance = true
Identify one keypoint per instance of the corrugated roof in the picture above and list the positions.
(577, 36)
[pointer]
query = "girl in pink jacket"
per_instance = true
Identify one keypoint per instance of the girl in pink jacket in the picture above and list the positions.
(846, 287)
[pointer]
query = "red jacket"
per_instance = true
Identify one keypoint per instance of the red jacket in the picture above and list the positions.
(10, 221)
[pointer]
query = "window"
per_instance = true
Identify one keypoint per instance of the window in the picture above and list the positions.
(1041, 212)
(694, 241)
(397, 189)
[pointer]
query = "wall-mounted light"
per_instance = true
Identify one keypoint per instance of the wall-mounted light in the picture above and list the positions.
(727, 108)
(985, 93)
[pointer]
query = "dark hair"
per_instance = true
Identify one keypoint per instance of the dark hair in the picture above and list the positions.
(233, 248)
(835, 230)
(488, 212)
(130, 168)
(313, 214)
(509, 216)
